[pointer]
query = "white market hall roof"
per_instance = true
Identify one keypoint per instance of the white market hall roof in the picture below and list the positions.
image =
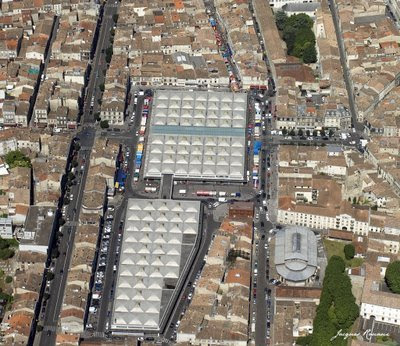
(157, 240)
(197, 135)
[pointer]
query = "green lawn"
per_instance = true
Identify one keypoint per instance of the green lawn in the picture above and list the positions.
(333, 247)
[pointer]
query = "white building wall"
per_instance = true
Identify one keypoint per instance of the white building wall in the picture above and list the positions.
(382, 313)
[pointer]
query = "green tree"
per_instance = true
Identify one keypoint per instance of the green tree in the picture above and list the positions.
(315, 133)
(39, 328)
(331, 133)
(109, 53)
(322, 132)
(284, 131)
(49, 276)
(8, 279)
(298, 34)
(354, 200)
(304, 340)
(292, 132)
(12, 242)
(304, 36)
(55, 253)
(6, 253)
(298, 50)
(349, 251)
(392, 276)
(97, 116)
(115, 18)
(17, 159)
(71, 176)
(102, 87)
(309, 53)
(280, 19)
(300, 133)
(299, 21)
(308, 133)
(337, 309)
(289, 36)
(104, 124)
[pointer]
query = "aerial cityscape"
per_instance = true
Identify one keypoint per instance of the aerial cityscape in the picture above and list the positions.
(199, 172)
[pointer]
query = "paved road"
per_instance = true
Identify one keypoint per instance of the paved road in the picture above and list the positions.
(57, 286)
(87, 135)
(99, 64)
(209, 228)
(346, 74)
(129, 140)
(262, 226)
(110, 275)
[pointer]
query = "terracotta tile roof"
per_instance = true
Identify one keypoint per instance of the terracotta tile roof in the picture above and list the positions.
(20, 322)
(238, 276)
(298, 292)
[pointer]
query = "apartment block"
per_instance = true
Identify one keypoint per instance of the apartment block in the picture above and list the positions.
(315, 192)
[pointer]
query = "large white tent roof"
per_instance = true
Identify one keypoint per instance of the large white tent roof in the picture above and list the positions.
(198, 135)
(158, 237)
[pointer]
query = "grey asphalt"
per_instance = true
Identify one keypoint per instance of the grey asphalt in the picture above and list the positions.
(346, 74)
(99, 64)
(110, 275)
(87, 134)
(209, 228)
(260, 253)
(128, 140)
(57, 287)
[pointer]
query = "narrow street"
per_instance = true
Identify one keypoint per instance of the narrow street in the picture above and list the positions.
(346, 74)
(57, 287)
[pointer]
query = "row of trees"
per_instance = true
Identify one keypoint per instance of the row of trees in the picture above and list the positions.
(307, 133)
(297, 32)
(337, 309)
(109, 50)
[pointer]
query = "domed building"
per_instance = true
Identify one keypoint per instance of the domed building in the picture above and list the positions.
(295, 255)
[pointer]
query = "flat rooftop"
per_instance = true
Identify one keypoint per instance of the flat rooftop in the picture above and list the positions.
(37, 230)
(159, 236)
(199, 135)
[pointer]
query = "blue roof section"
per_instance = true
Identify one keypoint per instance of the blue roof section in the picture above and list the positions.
(197, 131)
(257, 147)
